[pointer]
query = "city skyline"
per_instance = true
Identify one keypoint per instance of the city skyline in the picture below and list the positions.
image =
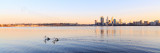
(80, 26)
(114, 22)
(108, 21)
(81, 11)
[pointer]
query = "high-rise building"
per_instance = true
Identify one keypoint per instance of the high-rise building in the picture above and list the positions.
(112, 19)
(120, 21)
(152, 23)
(146, 22)
(102, 20)
(107, 21)
(114, 22)
(95, 22)
(157, 22)
(141, 22)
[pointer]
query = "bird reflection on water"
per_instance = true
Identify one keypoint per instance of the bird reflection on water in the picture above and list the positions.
(54, 40)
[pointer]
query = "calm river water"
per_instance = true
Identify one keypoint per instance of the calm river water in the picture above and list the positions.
(79, 39)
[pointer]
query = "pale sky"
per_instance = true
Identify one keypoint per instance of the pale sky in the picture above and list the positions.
(81, 11)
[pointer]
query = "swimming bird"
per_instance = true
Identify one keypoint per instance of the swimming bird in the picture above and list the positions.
(55, 39)
(47, 38)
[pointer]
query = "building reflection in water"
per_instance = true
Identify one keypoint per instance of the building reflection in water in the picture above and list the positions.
(102, 31)
(107, 31)
(96, 31)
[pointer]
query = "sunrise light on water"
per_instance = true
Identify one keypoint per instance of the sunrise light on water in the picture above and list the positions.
(79, 26)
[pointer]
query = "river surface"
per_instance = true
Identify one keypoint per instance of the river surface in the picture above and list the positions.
(80, 39)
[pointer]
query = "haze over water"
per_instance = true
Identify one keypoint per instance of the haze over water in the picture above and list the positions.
(73, 39)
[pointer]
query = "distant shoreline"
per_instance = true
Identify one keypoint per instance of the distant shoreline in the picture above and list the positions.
(60, 24)
(63, 26)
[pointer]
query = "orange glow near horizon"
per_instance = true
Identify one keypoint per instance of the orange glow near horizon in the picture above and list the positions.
(82, 12)
(75, 19)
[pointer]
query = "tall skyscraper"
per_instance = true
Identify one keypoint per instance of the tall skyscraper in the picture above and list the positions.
(157, 22)
(120, 21)
(95, 22)
(114, 22)
(112, 19)
(141, 22)
(107, 21)
(146, 22)
(102, 20)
